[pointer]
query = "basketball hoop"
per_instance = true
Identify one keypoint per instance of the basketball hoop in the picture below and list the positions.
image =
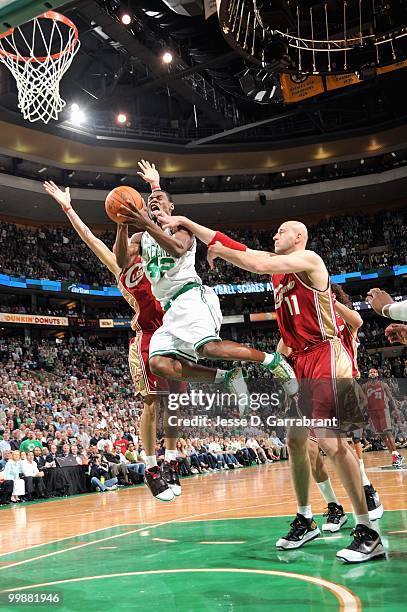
(38, 53)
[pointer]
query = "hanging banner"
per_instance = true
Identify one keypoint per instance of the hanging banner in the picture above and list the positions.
(341, 80)
(392, 67)
(210, 8)
(298, 87)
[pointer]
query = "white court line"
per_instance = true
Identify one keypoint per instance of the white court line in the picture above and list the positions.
(79, 535)
(231, 542)
(193, 517)
(348, 601)
(120, 535)
(163, 540)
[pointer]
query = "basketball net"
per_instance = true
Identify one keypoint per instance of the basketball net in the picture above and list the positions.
(38, 59)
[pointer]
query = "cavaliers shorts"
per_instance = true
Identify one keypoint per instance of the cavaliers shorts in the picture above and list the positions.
(144, 380)
(327, 389)
(380, 420)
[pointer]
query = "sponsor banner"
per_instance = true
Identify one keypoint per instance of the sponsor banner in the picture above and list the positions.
(9, 317)
(256, 317)
(298, 87)
(226, 289)
(229, 319)
(105, 323)
(240, 289)
(90, 290)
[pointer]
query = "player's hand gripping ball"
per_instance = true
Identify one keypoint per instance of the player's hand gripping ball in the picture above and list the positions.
(122, 196)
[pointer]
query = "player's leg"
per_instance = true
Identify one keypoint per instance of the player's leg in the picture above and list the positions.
(335, 516)
(303, 528)
(192, 324)
(390, 443)
(333, 395)
(366, 544)
(373, 502)
(144, 382)
(170, 466)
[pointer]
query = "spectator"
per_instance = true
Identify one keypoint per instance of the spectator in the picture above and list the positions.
(6, 489)
(33, 477)
(12, 471)
(99, 475)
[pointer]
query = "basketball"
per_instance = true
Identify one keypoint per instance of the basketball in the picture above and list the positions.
(122, 196)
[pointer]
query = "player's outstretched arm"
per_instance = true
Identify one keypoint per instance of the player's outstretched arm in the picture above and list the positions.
(102, 252)
(351, 317)
(261, 262)
(396, 332)
(177, 222)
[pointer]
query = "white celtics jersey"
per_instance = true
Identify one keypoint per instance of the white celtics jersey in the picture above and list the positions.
(167, 274)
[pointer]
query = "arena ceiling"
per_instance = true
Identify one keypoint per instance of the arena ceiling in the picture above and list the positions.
(200, 98)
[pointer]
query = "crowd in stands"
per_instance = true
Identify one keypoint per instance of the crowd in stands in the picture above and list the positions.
(346, 243)
(76, 400)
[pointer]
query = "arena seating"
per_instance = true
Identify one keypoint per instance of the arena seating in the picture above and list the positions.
(57, 253)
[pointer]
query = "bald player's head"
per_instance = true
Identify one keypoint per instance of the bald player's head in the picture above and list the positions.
(290, 236)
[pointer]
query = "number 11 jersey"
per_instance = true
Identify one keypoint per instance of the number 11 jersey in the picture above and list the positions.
(306, 317)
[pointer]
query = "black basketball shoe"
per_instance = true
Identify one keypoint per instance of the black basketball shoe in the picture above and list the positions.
(335, 518)
(366, 546)
(157, 484)
(302, 530)
(374, 505)
(170, 471)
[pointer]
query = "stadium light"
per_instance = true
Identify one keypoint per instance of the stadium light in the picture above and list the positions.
(167, 57)
(77, 115)
(121, 118)
(126, 19)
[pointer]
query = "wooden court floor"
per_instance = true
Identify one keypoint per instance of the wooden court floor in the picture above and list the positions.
(211, 549)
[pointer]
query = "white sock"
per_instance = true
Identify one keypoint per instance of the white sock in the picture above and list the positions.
(327, 492)
(365, 479)
(363, 519)
(269, 358)
(395, 453)
(170, 455)
(151, 461)
(220, 376)
(305, 511)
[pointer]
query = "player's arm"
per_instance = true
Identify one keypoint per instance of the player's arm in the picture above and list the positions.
(124, 249)
(102, 252)
(262, 262)
(176, 222)
(176, 244)
(387, 391)
(283, 349)
(351, 317)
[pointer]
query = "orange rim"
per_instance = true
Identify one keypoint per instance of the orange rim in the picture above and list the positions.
(53, 16)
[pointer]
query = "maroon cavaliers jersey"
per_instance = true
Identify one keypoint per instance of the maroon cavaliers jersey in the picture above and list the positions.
(136, 289)
(305, 316)
(376, 396)
(350, 342)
